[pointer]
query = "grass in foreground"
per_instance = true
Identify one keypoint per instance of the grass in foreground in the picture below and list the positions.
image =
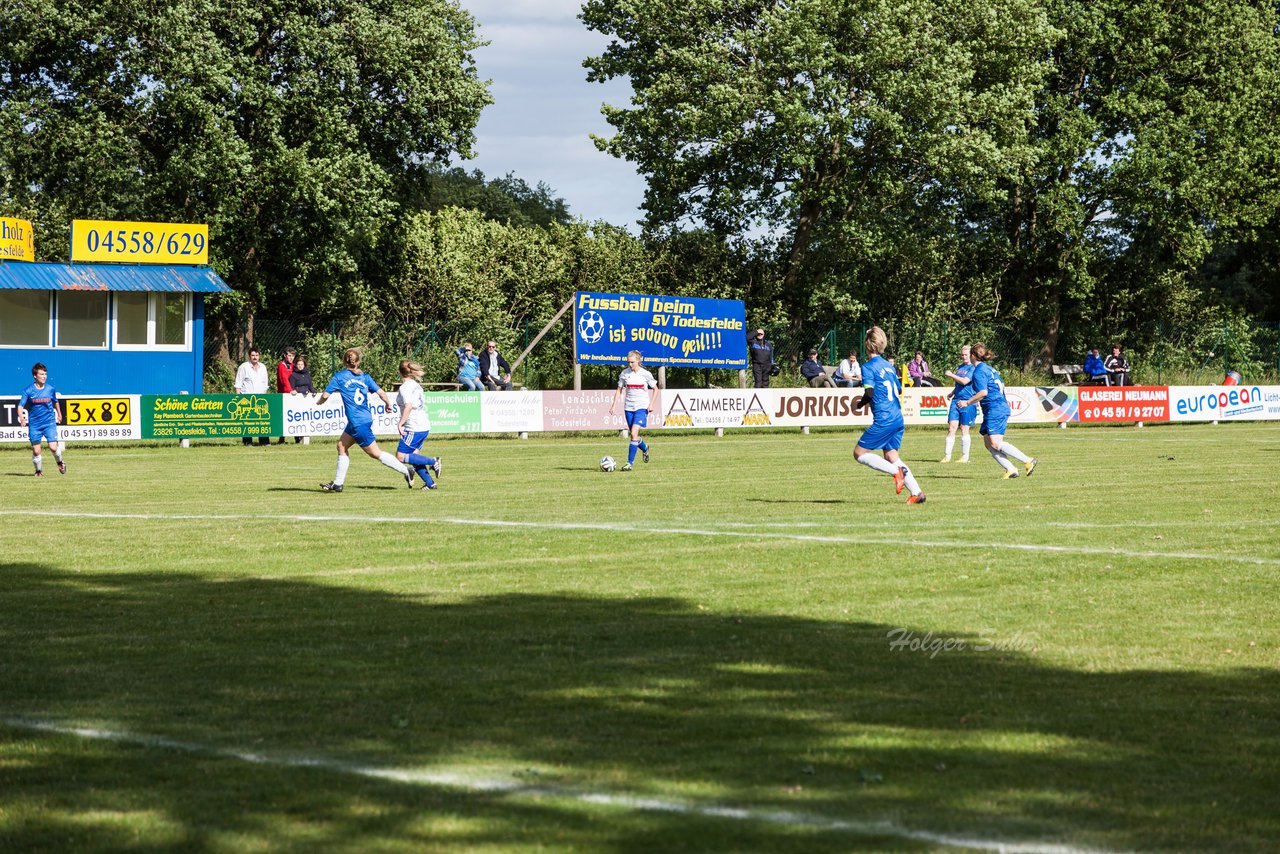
(1087, 656)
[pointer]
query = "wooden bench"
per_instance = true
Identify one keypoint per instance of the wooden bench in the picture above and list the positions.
(1067, 372)
(443, 386)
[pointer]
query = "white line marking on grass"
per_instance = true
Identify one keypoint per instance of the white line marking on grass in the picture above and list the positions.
(650, 529)
(514, 788)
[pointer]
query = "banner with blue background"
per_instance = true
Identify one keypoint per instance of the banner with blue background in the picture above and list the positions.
(682, 332)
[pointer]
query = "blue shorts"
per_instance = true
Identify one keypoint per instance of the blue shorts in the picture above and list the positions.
(637, 417)
(48, 432)
(965, 416)
(881, 438)
(994, 425)
(411, 442)
(362, 434)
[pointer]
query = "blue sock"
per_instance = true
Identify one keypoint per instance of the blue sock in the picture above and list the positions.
(644, 446)
(419, 460)
(425, 474)
(631, 452)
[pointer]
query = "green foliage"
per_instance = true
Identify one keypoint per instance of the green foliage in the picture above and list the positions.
(296, 133)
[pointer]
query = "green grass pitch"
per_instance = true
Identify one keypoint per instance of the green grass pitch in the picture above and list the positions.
(749, 644)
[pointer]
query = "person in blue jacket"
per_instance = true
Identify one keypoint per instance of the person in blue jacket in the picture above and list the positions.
(988, 390)
(883, 392)
(469, 368)
(1095, 370)
(39, 412)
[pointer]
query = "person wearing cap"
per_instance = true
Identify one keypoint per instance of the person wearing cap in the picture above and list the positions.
(811, 369)
(761, 352)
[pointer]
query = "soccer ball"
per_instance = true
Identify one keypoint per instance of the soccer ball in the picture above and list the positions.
(607, 464)
(591, 327)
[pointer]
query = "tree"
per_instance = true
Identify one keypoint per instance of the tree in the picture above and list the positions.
(839, 124)
(295, 130)
(1039, 161)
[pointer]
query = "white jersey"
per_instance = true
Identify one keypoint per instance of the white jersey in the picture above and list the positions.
(637, 384)
(410, 394)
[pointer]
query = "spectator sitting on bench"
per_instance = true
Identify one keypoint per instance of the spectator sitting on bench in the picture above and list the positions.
(469, 368)
(1095, 371)
(1118, 367)
(849, 374)
(919, 371)
(495, 373)
(811, 369)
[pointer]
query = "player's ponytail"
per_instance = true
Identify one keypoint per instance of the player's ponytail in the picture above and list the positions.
(876, 341)
(409, 367)
(981, 352)
(351, 359)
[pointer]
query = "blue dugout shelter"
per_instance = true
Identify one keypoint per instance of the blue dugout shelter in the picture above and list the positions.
(105, 328)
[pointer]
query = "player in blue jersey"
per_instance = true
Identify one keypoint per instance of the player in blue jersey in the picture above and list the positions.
(39, 412)
(641, 389)
(883, 390)
(988, 390)
(957, 417)
(355, 386)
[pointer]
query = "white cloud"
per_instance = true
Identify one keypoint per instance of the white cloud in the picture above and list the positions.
(545, 109)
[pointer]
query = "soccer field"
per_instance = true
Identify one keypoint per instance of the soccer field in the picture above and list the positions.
(751, 643)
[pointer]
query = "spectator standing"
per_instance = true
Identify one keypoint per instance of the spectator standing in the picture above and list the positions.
(469, 368)
(300, 379)
(1095, 370)
(811, 369)
(1118, 367)
(252, 378)
(284, 370)
(39, 412)
(495, 373)
(849, 373)
(761, 359)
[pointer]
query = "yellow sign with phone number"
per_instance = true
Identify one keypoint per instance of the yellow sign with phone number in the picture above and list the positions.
(139, 242)
(98, 411)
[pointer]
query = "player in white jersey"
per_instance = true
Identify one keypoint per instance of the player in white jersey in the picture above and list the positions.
(641, 389)
(414, 425)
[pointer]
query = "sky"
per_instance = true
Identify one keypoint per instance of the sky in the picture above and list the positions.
(545, 109)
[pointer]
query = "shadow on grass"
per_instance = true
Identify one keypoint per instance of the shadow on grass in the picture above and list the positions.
(643, 696)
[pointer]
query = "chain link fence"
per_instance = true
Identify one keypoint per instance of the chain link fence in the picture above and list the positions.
(1161, 354)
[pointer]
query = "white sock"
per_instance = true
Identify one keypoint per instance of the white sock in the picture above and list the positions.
(964, 446)
(951, 443)
(344, 463)
(878, 463)
(391, 462)
(1010, 451)
(39, 461)
(912, 486)
(1003, 461)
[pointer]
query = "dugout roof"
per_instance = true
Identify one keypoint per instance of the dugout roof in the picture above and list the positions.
(37, 276)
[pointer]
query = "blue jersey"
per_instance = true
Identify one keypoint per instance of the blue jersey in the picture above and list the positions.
(355, 390)
(40, 403)
(886, 389)
(987, 378)
(964, 391)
